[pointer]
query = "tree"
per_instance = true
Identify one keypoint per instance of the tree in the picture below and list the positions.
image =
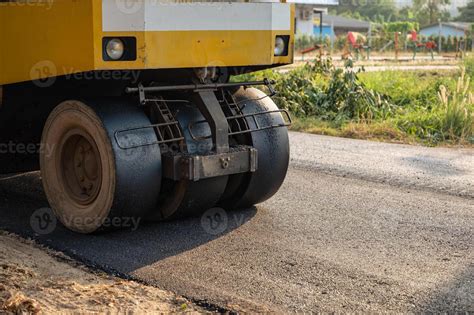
(370, 10)
(430, 11)
(466, 13)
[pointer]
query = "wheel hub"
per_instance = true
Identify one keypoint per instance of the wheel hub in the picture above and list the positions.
(81, 167)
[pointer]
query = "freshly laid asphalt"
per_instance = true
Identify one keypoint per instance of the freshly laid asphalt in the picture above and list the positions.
(357, 226)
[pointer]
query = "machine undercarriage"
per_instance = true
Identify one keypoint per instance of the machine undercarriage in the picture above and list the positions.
(129, 111)
(177, 150)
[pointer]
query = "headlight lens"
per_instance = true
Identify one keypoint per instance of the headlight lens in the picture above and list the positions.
(280, 46)
(115, 49)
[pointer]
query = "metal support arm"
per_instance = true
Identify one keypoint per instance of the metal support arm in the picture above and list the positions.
(210, 108)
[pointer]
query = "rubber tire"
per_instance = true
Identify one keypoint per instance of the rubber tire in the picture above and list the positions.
(130, 178)
(244, 191)
(188, 198)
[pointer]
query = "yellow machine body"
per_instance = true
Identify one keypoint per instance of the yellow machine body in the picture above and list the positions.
(46, 38)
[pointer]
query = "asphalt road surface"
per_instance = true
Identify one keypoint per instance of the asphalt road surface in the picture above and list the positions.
(357, 226)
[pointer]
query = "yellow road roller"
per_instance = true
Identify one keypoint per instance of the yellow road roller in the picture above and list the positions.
(129, 109)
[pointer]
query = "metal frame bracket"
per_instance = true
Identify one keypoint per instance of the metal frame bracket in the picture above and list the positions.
(242, 159)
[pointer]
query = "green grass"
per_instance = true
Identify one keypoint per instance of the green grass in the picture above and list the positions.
(420, 113)
(399, 106)
(408, 88)
(378, 131)
(468, 63)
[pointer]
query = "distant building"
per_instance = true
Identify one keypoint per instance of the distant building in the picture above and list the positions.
(307, 11)
(453, 29)
(342, 25)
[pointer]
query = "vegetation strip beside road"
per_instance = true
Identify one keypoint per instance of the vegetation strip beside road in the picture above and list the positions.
(398, 106)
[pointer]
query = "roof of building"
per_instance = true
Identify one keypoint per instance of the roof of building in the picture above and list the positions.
(463, 26)
(344, 22)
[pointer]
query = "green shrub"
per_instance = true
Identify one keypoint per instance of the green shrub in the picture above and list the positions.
(404, 27)
(320, 89)
(347, 98)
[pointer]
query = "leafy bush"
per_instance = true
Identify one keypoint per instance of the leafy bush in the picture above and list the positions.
(391, 27)
(346, 97)
(320, 89)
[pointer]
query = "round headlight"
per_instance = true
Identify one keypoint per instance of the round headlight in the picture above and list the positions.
(115, 49)
(279, 46)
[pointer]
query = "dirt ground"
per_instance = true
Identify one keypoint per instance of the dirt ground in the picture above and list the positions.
(36, 281)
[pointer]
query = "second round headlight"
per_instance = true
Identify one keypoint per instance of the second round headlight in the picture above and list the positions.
(115, 49)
